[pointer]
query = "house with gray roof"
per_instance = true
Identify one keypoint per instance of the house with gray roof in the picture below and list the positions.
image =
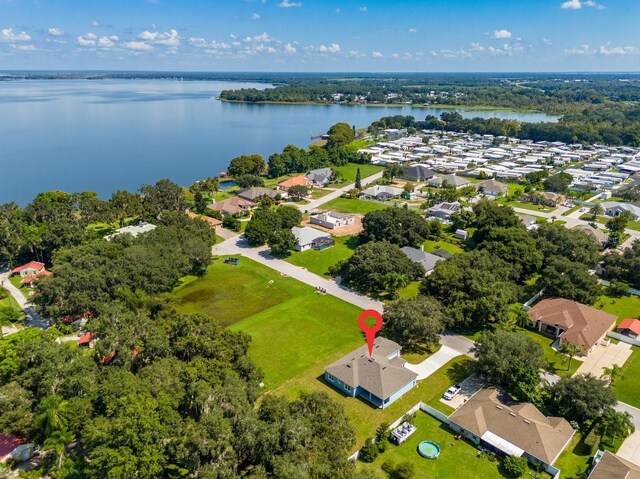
(418, 173)
(320, 177)
(311, 238)
(443, 210)
(449, 181)
(427, 260)
(256, 193)
(493, 188)
(383, 192)
(379, 379)
(615, 208)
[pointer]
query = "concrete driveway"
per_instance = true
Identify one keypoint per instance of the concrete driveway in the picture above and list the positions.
(430, 365)
(468, 388)
(630, 448)
(604, 357)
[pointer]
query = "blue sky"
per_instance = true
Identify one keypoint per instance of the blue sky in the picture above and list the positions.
(321, 35)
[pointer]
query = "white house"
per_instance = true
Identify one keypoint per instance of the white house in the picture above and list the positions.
(331, 220)
(382, 192)
(133, 230)
(311, 238)
(615, 208)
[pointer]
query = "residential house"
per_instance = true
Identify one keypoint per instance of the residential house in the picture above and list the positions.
(213, 222)
(14, 448)
(546, 198)
(257, 193)
(331, 220)
(134, 230)
(461, 234)
(320, 177)
(443, 210)
(629, 327)
(300, 180)
(85, 340)
(383, 192)
(615, 208)
(311, 238)
(418, 173)
(30, 280)
(528, 221)
(427, 260)
(572, 322)
(448, 181)
(29, 269)
(394, 133)
(492, 420)
(597, 234)
(379, 379)
(233, 206)
(493, 188)
(610, 466)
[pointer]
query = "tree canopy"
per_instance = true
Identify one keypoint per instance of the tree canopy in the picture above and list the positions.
(563, 278)
(399, 226)
(414, 323)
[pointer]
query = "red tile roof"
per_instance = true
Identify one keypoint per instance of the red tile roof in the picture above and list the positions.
(85, 339)
(630, 324)
(7, 444)
(33, 277)
(30, 265)
(295, 181)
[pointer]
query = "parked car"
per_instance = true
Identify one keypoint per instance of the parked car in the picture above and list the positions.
(451, 392)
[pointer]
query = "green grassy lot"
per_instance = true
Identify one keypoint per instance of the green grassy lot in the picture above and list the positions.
(430, 245)
(292, 327)
(349, 170)
(15, 280)
(103, 229)
(527, 206)
(558, 362)
(319, 193)
(345, 205)
(318, 262)
(410, 291)
(365, 418)
(575, 459)
(571, 210)
(458, 459)
(624, 307)
(627, 388)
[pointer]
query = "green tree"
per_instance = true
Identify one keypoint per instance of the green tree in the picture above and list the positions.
(164, 195)
(392, 171)
(200, 202)
(581, 398)
(257, 232)
(570, 350)
(58, 443)
(249, 181)
(358, 183)
(298, 192)
(54, 415)
(562, 278)
(596, 210)
(414, 323)
(290, 216)
(619, 223)
(282, 242)
(577, 246)
(399, 226)
(246, 165)
(515, 246)
(404, 470)
(558, 183)
(368, 452)
(612, 373)
(515, 466)
(340, 134)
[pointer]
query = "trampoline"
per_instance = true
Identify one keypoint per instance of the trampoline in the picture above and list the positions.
(429, 449)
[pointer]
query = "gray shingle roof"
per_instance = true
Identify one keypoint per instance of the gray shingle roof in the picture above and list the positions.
(427, 260)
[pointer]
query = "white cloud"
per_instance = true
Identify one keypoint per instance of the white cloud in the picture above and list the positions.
(95, 23)
(198, 42)
(578, 4)
(23, 48)
(55, 32)
(363, 9)
(501, 34)
(88, 40)
(356, 54)
(604, 50)
(333, 48)
(288, 4)
(412, 30)
(255, 16)
(108, 42)
(167, 39)
(477, 49)
(376, 55)
(546, 41)
(262, 38)
(8, 35)
(137, 46)
(289, 49)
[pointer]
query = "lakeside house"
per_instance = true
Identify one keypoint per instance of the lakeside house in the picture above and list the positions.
(492, 420)
(427, 260)
(332, 220)
(134, 230)
(311, 238)
(379, 379)
(607, 465)
(256, 193)
(300, 180)
(572, 322)
(233, 206)
(320, 177)
(213, 222)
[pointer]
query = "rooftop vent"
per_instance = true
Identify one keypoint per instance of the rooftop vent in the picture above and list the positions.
(527, 421)
(498, 407)
(513, 414)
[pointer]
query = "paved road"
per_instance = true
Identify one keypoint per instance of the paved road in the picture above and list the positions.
(458, 343)
(238, 245)
(33, 318)
(337, 193)
(630, 448)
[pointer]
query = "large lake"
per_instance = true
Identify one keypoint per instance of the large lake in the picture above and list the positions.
(104, 135)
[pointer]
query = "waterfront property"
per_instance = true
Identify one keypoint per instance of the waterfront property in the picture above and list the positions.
(493, 421)
(134, 230)
(380, 378)
(256, 193)
(572, 322)
(233, 206)
(320, 177)
(300, 180)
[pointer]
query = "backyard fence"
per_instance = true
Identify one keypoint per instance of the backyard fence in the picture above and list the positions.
(623, 338)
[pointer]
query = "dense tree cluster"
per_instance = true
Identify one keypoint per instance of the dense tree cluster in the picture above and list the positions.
(415, 323)
(246, 165)
(298, 160)
(399, 226)
(581, 398)
(563, 278)
(554, 239)
(625, 266)
(273, 226)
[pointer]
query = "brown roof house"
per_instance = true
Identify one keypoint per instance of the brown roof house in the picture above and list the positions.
(596, 233)
(233, 206)
(493, 188)
(380, 378)
(492, 420)
(572, 322)
(546, 198)
(609, 466)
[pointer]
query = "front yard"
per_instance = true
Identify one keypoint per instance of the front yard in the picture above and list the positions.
(558, 362)
(627, 388)
(318, 262)
(348, 172)
(346, 205)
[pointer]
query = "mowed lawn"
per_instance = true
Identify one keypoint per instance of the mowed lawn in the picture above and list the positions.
(345, 205)
(624, 307)
(349, 171)
(365, 418)
(318, 262)
(558, 362)
(458, 459)
(293, 328)
(627, 388)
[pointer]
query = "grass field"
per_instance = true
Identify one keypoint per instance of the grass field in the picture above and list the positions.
(292, 327)
(318, 262)
(349, 170)
(528, 206)
(558, 362)
(345, 205)
(575, 459)
(627, 388)
(458, 459)
(430, 245)
(624, 307)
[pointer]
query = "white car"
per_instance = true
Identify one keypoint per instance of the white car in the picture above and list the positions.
(451, 392)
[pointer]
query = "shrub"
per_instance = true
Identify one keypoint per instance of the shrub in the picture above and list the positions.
(231, 222)
(404, 470)
(514, 466)
(369, 451)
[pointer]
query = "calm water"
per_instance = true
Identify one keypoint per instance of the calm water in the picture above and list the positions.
(77, 135)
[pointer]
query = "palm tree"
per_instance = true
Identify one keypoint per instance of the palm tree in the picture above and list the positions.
(612, 374)
(54, 415)
(214, 184)
(617, 423)
(58, 442)
(570, 350)
(393, 282)
(596, 210)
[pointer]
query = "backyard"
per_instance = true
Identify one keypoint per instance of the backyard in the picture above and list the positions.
(623, 307)
(293, 328)
(318, 262)
(345, 205)
(627, 388)
(348, 172)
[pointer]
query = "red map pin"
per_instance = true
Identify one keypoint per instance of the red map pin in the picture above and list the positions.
(370, 331)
